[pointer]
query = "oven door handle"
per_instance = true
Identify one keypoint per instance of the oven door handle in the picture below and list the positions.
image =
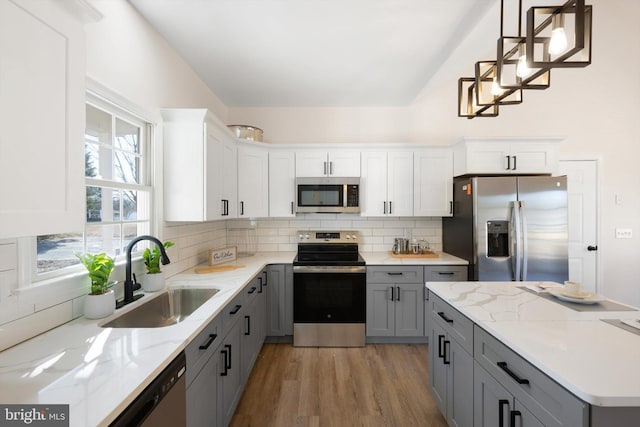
(329, 269)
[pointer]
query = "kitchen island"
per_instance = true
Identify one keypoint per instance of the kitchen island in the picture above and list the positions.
(590, 364)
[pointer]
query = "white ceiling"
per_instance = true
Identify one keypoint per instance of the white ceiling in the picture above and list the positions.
(315, 53)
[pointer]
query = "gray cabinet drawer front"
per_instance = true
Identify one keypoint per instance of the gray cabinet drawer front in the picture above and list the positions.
(209, 339)
(445, 273)
(453, 322)
(234, 311)
(395, 274)
(544, 398)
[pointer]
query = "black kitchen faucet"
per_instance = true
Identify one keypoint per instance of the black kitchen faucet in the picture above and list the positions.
(130, 284)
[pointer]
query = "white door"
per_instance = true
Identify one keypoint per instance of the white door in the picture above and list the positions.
(373, 184)
(400, 183)
(583, 221)
(282, 183)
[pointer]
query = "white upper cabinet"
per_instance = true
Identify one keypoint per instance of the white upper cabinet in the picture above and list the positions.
(386, 184)
(282, 183)
(199, 167)
(506, 156)
(433, 181)
(315, 163)
(42, 116)
(253, 182)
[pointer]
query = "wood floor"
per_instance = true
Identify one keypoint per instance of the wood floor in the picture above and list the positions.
(378, 385)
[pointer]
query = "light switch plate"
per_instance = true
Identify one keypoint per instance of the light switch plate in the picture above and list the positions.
(624, 233)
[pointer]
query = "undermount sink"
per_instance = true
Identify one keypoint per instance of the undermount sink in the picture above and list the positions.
(171, 307)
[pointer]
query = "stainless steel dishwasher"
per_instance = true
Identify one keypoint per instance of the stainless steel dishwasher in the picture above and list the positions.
(162, 403)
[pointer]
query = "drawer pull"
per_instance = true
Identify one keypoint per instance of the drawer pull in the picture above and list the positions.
(395, 273)
(446, 273)
(212, 338)
(236, 309)
(501, 404)
(444, 358)
(253, 289)
(440, 346)
(444, 317)
(515, 414)
(504, 367)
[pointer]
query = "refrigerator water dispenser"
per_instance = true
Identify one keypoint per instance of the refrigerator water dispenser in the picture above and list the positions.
(497, 239)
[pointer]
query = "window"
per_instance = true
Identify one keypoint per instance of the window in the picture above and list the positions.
(117, 185)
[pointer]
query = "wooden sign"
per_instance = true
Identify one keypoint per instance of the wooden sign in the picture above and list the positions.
(222, 255)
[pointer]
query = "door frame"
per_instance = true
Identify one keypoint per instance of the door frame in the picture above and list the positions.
(598, 189)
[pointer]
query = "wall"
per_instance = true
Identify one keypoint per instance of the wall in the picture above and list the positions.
(594, 108)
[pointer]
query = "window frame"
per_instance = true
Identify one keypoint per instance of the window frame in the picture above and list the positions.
(122, 109)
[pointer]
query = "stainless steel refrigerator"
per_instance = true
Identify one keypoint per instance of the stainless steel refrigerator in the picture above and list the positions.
(510, 227)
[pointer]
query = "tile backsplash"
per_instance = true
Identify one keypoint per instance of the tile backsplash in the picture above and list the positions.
(376, 234)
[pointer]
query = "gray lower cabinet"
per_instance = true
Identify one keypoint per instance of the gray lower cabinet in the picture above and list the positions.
(440, 273)
(451, 368)
(494, 406)
(230, 373)
(395, 301)
(279, 288)
(253, 320)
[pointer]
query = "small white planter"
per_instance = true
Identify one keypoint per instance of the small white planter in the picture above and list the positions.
(153, 282)
(99, 306)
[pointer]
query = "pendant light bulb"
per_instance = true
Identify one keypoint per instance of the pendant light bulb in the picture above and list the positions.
(522, 69)
(558, 42)
(496, 90)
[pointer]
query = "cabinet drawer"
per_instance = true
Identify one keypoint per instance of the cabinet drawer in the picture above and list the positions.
(202, 347)
(453, 322)
(544, 398)
(395, 274)
(445, 273)
(233, 311)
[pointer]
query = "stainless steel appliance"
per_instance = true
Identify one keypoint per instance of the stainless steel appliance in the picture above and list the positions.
(329, 290)
(328, 195)
(510, 228)
(162, 403)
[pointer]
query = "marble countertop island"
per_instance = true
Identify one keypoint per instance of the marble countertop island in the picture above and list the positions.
(594, 360)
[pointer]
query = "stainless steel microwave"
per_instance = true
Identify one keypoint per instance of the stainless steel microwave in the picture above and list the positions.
(328, 195)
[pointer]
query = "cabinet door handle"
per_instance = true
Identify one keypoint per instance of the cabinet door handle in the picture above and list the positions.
(384, 208)
(248, 330)
(253, 289)
(392, 294)
(445, 351)
(236, 309)
(330, 168)
(440, 346)
(398, 297)
(265, 278)
(390, 207)
(504, 367)
(515, 163)
(508, 162)
(592, 248)
(451, 207)
(229, 360)
(325, 168)
(291, 208)
(222, 206)
(212, 338)
(501, 411)
(224, 363)
(241, 208)
(515, 414)
(261, 285)
(444, 317)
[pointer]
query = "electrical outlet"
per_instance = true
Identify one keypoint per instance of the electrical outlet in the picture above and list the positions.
(624, 233)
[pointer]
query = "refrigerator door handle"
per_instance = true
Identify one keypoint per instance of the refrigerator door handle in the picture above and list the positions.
(514, 239)
(523, 228)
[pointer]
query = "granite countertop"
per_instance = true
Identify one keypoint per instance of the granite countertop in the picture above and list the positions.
(592, 359)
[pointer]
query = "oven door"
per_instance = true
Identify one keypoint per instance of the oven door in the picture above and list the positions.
(329, 294)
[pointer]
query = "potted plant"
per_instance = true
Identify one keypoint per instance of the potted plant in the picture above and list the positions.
(101, 302)
(154, 279)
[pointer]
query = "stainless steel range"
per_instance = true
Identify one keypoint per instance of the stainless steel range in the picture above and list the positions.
(329, 290)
